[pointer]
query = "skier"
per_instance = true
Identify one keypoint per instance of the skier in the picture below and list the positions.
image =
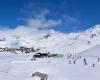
(74, 61)
(93, 65)
(85, 61)
(98, 59)
(69, 61)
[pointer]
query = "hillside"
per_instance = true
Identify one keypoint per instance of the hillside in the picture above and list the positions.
(52, 41)
(80, 60)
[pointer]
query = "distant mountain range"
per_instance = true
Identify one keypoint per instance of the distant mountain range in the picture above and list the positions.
(55, 42)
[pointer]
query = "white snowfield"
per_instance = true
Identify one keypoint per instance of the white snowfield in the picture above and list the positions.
(82, 45)
(20, 67)
(95, 52)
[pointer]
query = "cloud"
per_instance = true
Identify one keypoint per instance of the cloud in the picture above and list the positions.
(32, 24)
(38, 17)
(35, 20)
(70, 19)
(40, 20)
(43, 23)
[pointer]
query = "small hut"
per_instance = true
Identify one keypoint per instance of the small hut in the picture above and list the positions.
(41, 75)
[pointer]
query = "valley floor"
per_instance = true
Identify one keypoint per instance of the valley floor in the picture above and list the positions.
(20, 67)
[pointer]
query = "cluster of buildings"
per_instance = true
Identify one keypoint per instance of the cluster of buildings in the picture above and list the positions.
(20, 49)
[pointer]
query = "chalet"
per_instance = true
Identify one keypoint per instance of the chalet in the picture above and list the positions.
(41, 75)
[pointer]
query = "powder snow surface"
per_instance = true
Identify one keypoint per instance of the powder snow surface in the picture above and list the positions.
(20, 67)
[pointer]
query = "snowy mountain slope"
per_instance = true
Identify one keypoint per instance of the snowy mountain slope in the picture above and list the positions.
(20, 67)
(56, 41)
(93, 52)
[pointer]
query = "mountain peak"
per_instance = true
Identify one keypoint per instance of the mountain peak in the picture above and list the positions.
(97, 26)
(94, 29)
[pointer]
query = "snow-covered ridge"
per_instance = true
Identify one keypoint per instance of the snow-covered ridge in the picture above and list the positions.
(52, 41)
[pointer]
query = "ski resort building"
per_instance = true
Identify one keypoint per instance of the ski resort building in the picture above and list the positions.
(41, 75)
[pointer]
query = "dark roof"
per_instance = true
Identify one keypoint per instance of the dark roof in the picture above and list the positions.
(42, 75)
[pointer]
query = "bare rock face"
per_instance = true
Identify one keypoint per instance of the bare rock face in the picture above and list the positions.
(47, 36)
